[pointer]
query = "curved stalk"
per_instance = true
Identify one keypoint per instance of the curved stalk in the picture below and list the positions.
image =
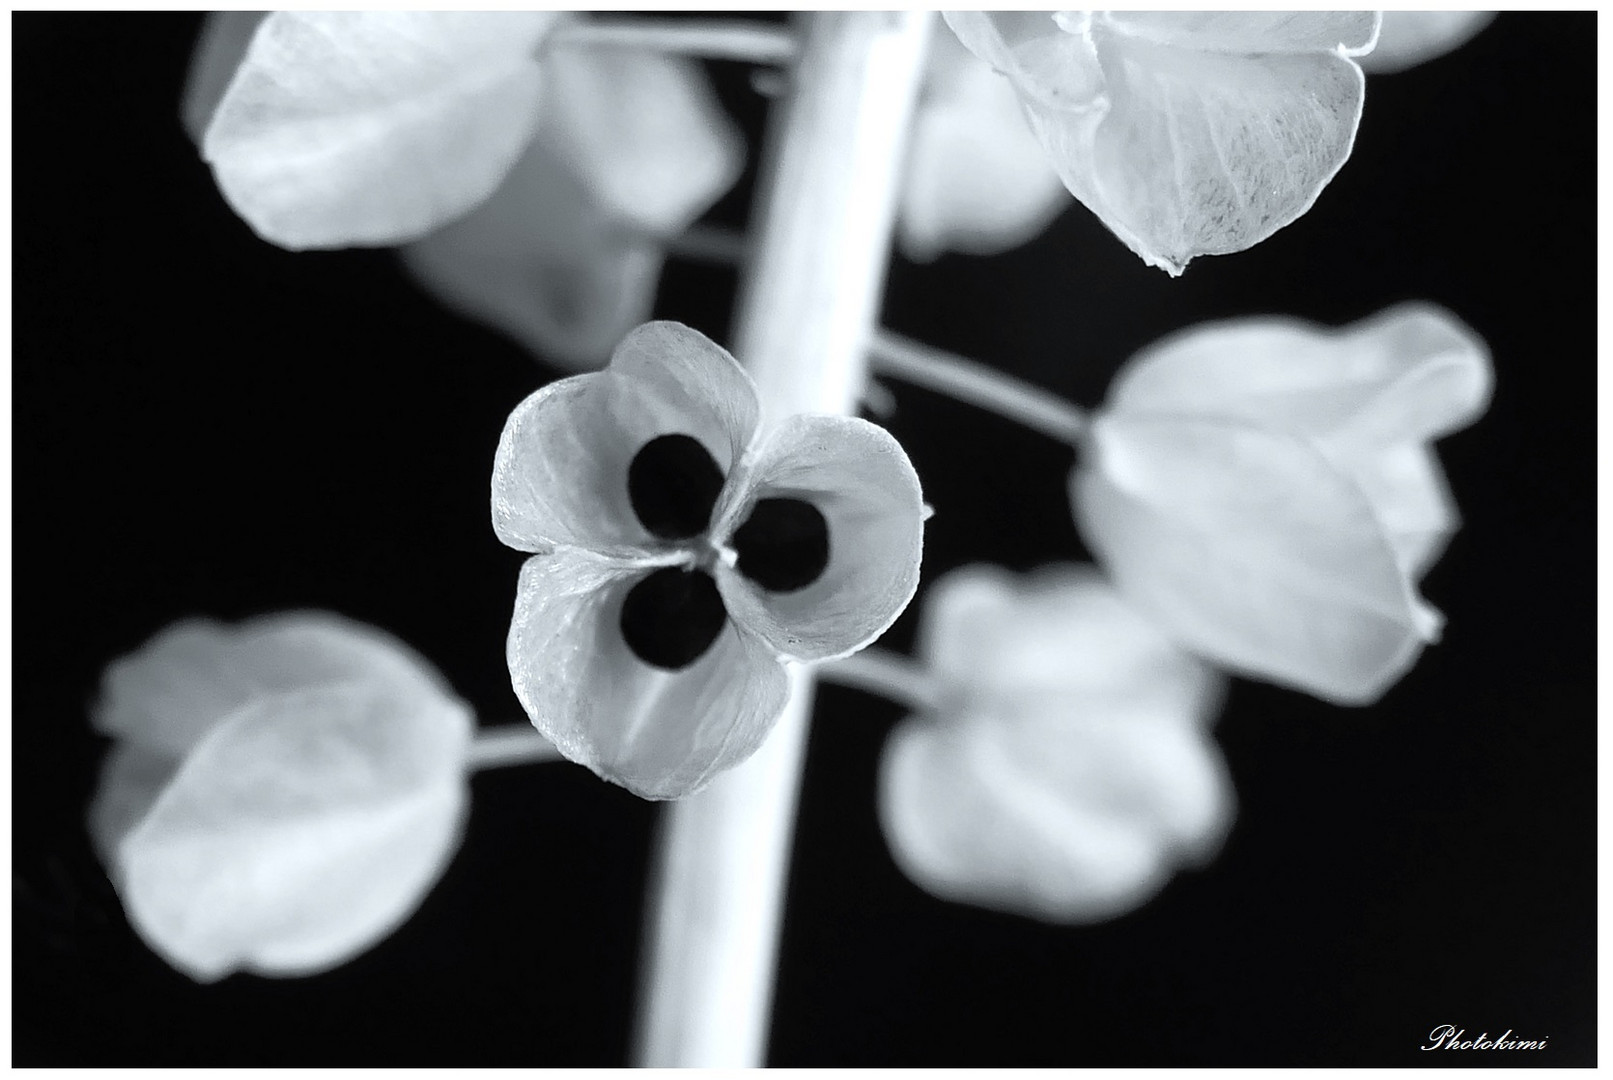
(509, 744)
(891, 675)
(753, 43)
(709, 244)
(979, 385)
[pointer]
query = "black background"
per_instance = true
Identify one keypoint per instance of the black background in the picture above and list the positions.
(205, 424)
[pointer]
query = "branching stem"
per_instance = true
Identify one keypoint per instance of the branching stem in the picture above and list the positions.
(977, 384)
(509, 744)
(755, 43)
(717, 244)
(890, 675)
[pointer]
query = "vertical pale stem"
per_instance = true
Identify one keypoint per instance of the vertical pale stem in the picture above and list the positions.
(806, 310)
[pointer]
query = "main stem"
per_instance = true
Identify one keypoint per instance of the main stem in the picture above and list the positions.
(807, 307)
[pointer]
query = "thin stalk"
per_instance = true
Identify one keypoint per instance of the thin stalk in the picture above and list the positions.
(754, 43)
(509, 744)
(710, 244)
(890, 675)
(977, 384)
(807, 305)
